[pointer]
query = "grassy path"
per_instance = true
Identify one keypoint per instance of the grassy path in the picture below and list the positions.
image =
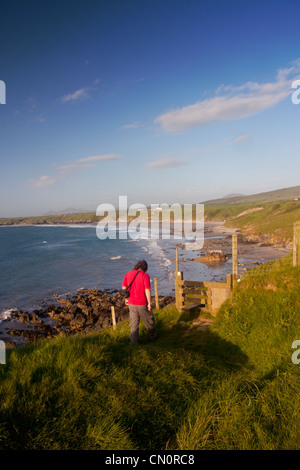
(233, 386)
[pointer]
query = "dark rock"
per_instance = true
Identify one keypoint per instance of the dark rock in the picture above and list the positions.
(106, 322)
(88, 310)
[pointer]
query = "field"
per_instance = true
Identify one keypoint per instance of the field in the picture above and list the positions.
(272, 219)
(233, 386)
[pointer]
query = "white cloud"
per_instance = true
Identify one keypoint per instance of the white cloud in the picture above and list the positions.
(97, 158)
(239, 102)
(42, 182)
(209, 148)
(133, 125)
(241, 138)
(82, 93)
(86, 162)
(69, 167)
(40, 118)
(166, 162)
(66, 169)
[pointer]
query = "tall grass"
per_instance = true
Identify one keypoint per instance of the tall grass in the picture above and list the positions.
(258, 407)
(232, 387)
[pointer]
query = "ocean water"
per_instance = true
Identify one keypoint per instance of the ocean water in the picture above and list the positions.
(38, 261)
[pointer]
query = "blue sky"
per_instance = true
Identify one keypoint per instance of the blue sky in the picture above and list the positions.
(162, 101)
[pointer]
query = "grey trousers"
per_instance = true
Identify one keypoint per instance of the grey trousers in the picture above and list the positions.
(135, 313)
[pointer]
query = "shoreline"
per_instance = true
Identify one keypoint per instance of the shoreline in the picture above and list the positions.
(87, 311)
(80, 312)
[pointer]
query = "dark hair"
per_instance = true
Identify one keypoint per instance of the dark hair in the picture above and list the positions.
(143, 265)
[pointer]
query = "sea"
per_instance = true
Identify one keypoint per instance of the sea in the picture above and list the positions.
(39, 261)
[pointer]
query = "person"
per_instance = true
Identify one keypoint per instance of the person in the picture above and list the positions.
(139, 301)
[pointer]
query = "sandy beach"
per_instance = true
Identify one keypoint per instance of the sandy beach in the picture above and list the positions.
(27, 328)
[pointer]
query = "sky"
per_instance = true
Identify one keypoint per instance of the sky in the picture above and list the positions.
(162, 101)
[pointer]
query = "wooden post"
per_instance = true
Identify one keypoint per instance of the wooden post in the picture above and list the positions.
(178, 289)
(156, 293)
(234, 259)
(230, 280)
(296, 244)
(113, 317)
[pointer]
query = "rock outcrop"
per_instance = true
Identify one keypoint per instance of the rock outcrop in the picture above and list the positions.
(88, 310)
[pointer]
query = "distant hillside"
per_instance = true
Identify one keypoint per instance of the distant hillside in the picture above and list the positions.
(271, 222)
(284, 194)
(229, 196)
(69, 210)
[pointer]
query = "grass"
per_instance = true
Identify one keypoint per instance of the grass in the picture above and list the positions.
(274, 219)
(231, 387)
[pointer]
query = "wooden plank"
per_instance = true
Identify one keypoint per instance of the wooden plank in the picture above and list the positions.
(193, 283)
(214, 284)
(190, 307)
(196, 300)
(195, 296)
(203, 300)
(218, 285)
(190, 290)
(202, 285)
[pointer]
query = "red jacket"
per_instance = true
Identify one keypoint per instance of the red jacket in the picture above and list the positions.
(137, 289)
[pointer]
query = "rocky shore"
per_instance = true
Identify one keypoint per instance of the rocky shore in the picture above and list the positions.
(212, 260)
(90, 309)
(87, 311)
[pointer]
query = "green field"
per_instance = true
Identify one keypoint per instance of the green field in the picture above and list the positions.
(231, 387)
(273, 219)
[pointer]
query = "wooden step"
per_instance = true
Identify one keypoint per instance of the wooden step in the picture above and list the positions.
(189, 307)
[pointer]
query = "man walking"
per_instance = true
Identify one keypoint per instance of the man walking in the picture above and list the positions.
(139, 301)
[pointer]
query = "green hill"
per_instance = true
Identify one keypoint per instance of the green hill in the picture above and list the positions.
(271, 221)
(284, 194)
(233, 386)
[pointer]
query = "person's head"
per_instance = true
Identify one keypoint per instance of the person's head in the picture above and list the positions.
(143, 265)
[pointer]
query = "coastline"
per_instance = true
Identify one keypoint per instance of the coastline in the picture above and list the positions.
(89, 309)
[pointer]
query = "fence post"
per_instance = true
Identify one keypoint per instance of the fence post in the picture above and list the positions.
(178, 290)
(230, 280)
(296, 244)
(156, 293)
(113, 317)
(177, 267)
(234, 259)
